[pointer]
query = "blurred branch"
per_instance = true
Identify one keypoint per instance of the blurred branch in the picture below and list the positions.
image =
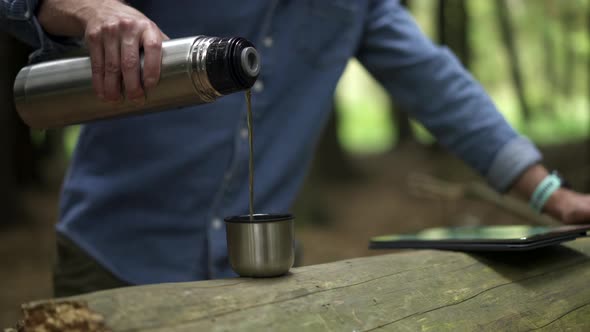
(426, 186)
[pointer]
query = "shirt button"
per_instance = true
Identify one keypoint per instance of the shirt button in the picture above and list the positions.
(267, 42)
(216, 224)
(258, 86)
(244, 133)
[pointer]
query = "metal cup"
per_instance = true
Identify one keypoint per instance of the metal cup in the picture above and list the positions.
(263, 247)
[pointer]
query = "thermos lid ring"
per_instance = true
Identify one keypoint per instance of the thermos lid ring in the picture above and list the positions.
(233, 64)
(250, 61)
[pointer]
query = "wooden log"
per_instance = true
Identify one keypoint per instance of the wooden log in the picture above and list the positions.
(543, 290)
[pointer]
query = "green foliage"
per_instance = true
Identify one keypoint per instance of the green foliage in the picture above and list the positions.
(71, 138)
(545, 31)
(37, 137)
(363, 106)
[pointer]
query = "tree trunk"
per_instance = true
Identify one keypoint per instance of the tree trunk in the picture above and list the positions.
(331, 162)
(549, 58)
(569, 74)
(15, 144)
(453, 28)
(400, 118)
(330, 165)
(588, 87)
(507, 32)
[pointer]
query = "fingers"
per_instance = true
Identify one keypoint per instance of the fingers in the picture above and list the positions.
(130, 63)
(112, 63)
(114, 40)
(570, 207)
(152, 46)
(581, 211)
(95, 47)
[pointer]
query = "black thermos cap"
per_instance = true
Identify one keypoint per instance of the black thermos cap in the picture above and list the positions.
(232, 64)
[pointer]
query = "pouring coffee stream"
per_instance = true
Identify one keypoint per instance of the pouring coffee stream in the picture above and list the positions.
(251, 159)
(259, 245)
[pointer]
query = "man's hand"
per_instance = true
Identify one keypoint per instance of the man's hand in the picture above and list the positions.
(566, 205)
(569, 206)
(114, 34)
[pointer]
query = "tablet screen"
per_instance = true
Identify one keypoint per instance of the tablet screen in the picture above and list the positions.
(507, 232)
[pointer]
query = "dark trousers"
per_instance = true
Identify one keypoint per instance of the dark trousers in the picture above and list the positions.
(75, 272)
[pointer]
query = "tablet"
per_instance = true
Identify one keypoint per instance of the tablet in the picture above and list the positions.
(482, 238)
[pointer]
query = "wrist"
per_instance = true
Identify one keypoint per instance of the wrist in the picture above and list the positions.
(69, 18)
(551, 196)
(84, 12)
(554, 204)
(527, 182)
(63, 17)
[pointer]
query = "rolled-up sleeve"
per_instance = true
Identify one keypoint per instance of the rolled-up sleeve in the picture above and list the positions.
(18, 18)
(430, 83)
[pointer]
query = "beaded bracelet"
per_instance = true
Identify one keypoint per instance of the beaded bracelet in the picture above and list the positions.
(544, 190)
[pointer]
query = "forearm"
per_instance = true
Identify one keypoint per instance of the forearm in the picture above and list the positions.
(19, 18)
(429, 83)
(62, 17)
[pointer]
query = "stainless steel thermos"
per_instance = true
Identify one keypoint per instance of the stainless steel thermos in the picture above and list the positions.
(194, 70)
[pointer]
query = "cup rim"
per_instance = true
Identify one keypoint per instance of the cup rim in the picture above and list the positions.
(260, 218)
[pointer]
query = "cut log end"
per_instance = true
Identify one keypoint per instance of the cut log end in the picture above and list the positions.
(53, 316)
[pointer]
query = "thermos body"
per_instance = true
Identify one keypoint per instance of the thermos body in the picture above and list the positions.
(194, 71)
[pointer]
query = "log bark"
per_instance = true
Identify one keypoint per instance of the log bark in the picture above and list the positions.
(429, 290)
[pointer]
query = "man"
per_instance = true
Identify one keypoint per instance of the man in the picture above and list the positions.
(144, 198)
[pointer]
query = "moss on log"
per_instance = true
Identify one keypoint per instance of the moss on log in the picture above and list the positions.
(542, 290)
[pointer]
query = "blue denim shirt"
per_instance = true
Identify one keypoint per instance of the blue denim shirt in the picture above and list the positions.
(146, 195)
